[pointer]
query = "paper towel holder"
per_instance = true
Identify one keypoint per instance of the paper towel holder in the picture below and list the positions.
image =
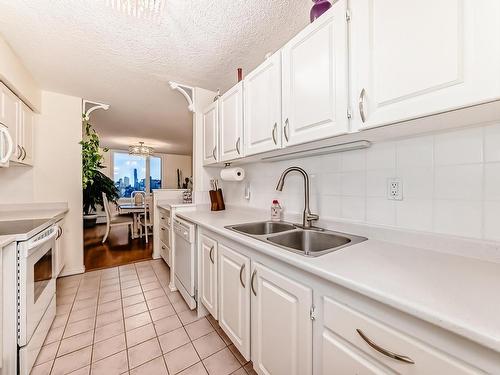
(227, 165)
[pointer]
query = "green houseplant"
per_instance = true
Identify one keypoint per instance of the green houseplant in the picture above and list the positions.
(94, 182)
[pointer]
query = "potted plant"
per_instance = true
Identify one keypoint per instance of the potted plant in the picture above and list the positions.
(94, 182)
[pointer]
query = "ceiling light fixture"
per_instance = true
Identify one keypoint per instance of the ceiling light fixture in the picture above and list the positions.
(141, 150)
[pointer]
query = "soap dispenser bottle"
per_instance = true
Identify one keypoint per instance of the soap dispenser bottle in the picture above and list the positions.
(276, 211)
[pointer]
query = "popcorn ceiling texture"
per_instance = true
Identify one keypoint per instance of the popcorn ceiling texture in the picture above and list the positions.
(87, 49)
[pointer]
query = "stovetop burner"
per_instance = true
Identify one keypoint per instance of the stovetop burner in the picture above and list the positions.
(20, 226)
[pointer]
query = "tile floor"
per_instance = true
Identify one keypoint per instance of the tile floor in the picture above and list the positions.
(124, 320)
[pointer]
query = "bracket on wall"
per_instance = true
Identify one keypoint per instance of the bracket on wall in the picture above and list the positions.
(94, 106)
(186, 91)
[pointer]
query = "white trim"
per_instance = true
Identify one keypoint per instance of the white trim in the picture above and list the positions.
(72, 271)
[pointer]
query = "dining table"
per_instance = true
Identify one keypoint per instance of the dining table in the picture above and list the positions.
(134, 209)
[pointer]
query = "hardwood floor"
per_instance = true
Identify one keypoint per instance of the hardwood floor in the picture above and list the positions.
(119, 248)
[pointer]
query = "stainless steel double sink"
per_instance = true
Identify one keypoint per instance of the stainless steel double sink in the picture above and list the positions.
(310, 242)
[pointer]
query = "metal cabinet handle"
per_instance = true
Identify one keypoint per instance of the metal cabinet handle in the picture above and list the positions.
(241, 275)
(24, 151)
(285, 129)
(211, 255)
(275, 128)
(59, 232)
(162, 228)
(238, 146)
(162, 218)
(19, 152)
(213, 153)
(361, 105)
(251, 282)
(385, 352)
(163, 248)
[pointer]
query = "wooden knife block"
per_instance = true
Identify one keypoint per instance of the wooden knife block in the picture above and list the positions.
(216, 200)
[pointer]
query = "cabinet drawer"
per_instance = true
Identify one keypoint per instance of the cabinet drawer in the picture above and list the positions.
(165, 252)
(165, 234)
(350, 325)
(164, 217)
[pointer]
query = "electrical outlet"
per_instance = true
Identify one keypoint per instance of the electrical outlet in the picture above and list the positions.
(395, 189)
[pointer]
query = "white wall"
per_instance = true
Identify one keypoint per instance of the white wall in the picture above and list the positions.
(17, 78)
(58, 168)
(451, 184)
(170, 164)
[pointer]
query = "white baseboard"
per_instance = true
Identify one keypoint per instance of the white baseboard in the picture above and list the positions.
(68, 271)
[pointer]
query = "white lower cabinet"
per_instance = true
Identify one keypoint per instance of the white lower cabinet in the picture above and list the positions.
(208, 274)
(234, 297)
(281, 324)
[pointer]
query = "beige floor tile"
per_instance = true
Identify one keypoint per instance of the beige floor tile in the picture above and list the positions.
(63, 309)
(109, 306)
(108, 347)
(114, 365)
(237, 354)
(79, 327)
(221, 363)
(151, 286)
(174, 297)
(155, 293)
(154, 367)
(180, 306)
(84, 303)
(84, 294)
(240, 371)
(197, 369)
(140, 334)
(75, 342)
(188, 316)
(208, 345)
(43, 369)
(135, 309)
(223, 336)
(138, 320)
(71, 291)
(199, 328)
(109, 317)
(71, 362)
(108, 289)
(88, 312)
(173, 339)
(65, 300)
(162, 312)
(47, 353)
(158, 302)
(181, 358)
(130, 284)
(109, 281)
(54, 334)
(110, 330)
(83, 371)
(168, 324)
(132, 300)
(60, 321)
(249, 369)
(110, 296)
(131, 291)
(144, 352)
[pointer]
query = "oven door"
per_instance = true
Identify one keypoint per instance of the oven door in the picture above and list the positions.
(37, 282)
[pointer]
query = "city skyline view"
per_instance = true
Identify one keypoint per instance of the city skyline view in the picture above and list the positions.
(130, 173)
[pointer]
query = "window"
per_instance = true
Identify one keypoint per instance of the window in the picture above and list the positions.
(136, 173)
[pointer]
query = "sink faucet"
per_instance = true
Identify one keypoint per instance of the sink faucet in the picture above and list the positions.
(308, 217)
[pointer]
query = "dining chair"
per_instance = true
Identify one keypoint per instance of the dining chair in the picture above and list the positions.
(146, 220)
(138, 197)
(115, 220)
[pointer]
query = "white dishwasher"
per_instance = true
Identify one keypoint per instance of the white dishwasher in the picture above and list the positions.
(185, 260)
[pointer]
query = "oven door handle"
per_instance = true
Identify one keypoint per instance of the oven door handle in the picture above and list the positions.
(41, 241)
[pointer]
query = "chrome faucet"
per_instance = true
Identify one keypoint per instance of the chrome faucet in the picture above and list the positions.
(307, 216)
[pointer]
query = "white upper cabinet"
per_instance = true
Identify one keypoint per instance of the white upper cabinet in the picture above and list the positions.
(234, 297)
(210, 134)
(281, 324)
(262, 95)
(417, 58)
(315, 79)
(9, 118)
(231, 123)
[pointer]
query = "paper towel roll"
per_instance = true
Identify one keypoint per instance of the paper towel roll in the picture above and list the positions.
(232, 174)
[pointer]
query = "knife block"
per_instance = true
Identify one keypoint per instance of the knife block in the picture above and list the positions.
(216, 200)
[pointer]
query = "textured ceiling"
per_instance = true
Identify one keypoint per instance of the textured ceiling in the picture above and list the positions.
(88, 49)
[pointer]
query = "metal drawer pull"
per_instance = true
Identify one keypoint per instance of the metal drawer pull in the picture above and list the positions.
(163, 248)
(238, 146)
(162, 228)
(385, 352)
(59, 232)
(241, 276)
(251, 283)
(24, 153)
(211, 255)
(361, 105)
(285, 129)
(162, 218)
(275, 128)
(213, 153)
(19, 152)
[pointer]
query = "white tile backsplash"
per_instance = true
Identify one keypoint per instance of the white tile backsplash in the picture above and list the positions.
(451, 184)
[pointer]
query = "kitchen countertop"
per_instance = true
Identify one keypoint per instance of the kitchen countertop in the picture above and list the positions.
(53, 212)
(461, 304)
(173, 203)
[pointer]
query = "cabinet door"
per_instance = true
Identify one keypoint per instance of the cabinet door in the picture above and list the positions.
(231, 123)
(208, 264)
(315, 73)
(210, 133)
(27, 118)
(234, 298)
(9, 117)
(262, 96)
(281, 324)
(412, 59)
(339, 358)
